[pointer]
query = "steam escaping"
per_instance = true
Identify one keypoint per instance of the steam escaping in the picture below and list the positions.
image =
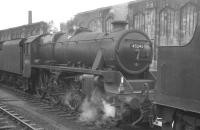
(109, 110)
(89, 112)
(96, 110)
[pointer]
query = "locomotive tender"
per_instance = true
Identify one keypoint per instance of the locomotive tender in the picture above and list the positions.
(55, 66)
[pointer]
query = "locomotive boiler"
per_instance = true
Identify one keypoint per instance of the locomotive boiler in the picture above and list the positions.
(127, 51)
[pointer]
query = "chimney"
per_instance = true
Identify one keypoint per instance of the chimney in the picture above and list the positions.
(29, 17)
(119, 25)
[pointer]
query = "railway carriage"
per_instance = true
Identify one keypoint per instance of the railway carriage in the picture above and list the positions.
(177, 97)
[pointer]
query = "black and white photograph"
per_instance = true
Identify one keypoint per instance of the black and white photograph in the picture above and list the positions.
(100, 65)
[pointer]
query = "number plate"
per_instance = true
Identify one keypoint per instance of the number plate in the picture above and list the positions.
(137, 46)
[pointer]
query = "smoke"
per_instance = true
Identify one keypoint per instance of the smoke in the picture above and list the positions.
(95, 109)
(89, 111)
(91, 108)
(109, 110)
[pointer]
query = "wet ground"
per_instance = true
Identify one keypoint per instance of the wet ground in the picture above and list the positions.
(49, 120)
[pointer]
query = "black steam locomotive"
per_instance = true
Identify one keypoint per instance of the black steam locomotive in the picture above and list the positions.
(66, 70)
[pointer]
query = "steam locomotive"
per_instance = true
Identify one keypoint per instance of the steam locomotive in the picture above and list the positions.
(67, 70)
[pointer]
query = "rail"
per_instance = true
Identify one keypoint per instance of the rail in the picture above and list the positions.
(19, 119)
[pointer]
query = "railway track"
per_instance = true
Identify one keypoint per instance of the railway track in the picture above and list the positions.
(9, 119)
(57, 110)
(44, 104)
